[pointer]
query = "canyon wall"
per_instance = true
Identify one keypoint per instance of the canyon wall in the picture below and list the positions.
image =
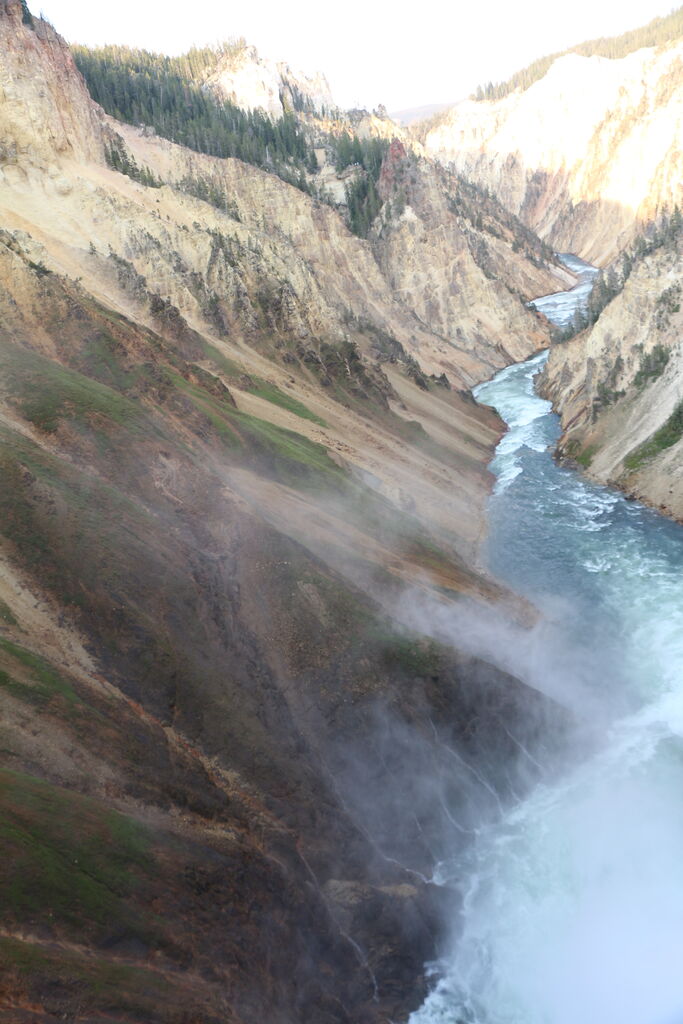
(231, 441)
(618, 386)
(584, 154)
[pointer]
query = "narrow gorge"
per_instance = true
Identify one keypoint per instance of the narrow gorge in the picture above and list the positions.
(338, 673)
(572, 900)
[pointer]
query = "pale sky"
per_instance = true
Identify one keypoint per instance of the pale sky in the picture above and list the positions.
(372, 53)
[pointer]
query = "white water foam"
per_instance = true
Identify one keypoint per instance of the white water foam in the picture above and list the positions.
(561, 307)
(573, 900)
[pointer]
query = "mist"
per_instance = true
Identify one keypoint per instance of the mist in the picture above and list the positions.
(529, 772)
(572, 899)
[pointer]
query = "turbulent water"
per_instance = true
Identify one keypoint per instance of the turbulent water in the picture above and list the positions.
(562, 306)
(573, 902)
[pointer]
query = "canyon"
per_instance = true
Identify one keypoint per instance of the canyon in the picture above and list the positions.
(243, 505)
(583, 155)
(223, 469)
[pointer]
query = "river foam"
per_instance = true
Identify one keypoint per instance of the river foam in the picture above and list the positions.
(573, 900)
(562, 306)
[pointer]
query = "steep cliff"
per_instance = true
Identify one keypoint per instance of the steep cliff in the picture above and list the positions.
(256, 83)
(350, 151)
(582, 155)
(222, 467)
(45, 111)
(618, 386)
(454, 257)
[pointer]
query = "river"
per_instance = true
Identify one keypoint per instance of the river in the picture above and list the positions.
(573, 900)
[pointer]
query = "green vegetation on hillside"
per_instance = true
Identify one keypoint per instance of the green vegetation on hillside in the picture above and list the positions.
(361, 194)
(281, 454)
(26, 15)
(658, 32)
(666, 233)
(47, 393)
(272, 393)
(119, 159)
(667, 436)
(167, 93)
(668, 303)
(42, 683)
(95, 979)
(139, 87)
(652, 365)
(67, 858)
(367, 153)
(6, 616)
(364, 204)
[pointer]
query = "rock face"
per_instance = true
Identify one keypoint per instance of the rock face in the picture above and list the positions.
(268, 239)
(45, 111)
(582, 155)
(221, 471)
(376, 281)
(618, 387)
(452, 256)
(255, 83)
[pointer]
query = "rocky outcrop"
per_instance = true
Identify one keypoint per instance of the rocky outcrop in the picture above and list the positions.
(46, 114)
(255, 83)
(453, 256)
(618, 387)
(581, 156)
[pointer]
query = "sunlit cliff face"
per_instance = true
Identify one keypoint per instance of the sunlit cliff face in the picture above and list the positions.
(582, 153)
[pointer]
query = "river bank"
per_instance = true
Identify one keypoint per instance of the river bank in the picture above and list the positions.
(617, 386)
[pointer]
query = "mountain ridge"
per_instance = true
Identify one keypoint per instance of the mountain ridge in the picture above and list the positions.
(585, 156)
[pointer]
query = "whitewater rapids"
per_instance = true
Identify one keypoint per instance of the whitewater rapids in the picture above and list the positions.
(573, 900)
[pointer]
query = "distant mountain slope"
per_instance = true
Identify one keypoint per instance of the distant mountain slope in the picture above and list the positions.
(172, 95)
(660, 31)
(415, 114)
(256, 83)
(584, 154)
(347, 154)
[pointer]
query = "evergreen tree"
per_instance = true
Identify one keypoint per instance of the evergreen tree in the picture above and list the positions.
(139, 87)
(165, 92)
(26, 15)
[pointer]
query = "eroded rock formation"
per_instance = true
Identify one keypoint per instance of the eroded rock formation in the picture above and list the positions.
(618, 386)
(581, 156)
